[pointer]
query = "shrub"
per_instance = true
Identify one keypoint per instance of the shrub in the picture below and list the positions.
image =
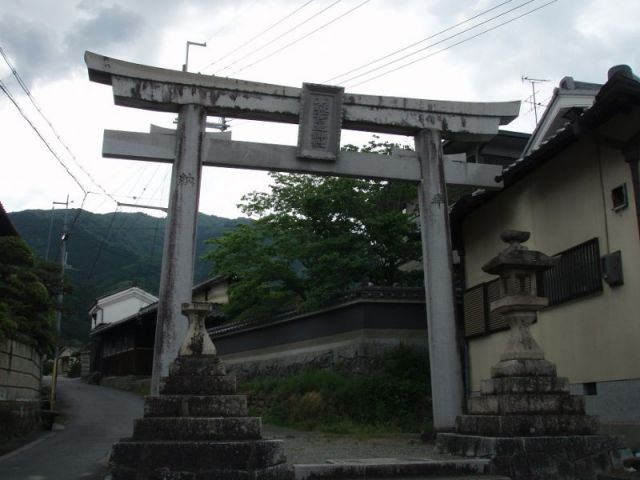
(395, 399)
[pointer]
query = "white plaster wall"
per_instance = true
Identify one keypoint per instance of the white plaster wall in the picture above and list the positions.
(565, 203)
(122, 309)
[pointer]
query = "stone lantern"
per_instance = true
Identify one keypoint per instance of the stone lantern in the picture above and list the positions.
(518, 268)
(525, 420)
(198, 426)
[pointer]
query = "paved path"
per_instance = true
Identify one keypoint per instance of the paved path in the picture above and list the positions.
(313, 447)
(95, 417)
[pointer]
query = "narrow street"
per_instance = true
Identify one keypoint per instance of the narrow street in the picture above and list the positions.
(94, 418)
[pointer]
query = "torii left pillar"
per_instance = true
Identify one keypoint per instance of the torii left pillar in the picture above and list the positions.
(176, 278)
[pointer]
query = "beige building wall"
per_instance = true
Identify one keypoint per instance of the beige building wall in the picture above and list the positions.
(214, 294)
(565, 202)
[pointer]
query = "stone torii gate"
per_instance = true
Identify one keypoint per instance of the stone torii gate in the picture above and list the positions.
(321, 111)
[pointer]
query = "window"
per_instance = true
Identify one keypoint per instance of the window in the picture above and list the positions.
(619, 197)
(478, 318)
(577, 274)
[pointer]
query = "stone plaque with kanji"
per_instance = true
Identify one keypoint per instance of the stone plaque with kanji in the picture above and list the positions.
(320, 122)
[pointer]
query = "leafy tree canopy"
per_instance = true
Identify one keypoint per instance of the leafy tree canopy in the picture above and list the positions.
(26, 306)
(314, 238)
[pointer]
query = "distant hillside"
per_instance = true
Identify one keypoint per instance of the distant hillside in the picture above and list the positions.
(107, 252)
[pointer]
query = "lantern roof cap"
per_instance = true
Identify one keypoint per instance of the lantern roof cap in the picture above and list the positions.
(518, 257)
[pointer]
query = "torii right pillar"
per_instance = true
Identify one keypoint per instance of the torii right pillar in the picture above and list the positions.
(447, 379)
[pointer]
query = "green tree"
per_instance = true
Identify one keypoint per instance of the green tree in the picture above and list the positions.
(26, 305)
(314, 238)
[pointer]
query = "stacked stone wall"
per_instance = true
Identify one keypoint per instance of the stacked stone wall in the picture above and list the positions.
(357, 355)
(20, 383)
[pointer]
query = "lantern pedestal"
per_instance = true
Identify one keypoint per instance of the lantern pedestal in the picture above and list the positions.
(525, 419)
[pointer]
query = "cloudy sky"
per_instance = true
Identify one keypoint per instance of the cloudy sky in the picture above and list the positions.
(457, 50)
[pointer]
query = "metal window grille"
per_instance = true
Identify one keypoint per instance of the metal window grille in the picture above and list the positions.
(478, 319)
(475, 311)
(578, 274)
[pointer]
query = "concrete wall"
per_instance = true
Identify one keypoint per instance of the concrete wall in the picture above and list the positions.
(350, 336)
(20, 381)
(565, 202)
(20, 371)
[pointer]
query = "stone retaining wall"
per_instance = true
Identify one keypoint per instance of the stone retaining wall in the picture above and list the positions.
(20, 383)
(351, 337)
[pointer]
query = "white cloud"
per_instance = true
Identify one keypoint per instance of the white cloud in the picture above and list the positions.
(46, 41)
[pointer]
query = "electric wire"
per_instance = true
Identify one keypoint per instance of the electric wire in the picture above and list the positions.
(91, 270)
(473, 27)
(270, 42)
(6, 91)
(303, 37)
(379, 59)
(79, 212)
(258, 35)
(30, 96)
(454, 44)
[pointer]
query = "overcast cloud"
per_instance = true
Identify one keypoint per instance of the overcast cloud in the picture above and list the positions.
(46, 41)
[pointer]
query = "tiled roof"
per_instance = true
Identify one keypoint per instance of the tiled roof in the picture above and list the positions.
(622, 88)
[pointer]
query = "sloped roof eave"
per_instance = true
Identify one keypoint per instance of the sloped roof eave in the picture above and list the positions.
(605, 105)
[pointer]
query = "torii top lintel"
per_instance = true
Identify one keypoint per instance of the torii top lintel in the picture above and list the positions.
(159, 89)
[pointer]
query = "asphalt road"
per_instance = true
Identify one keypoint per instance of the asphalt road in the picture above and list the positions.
(94, 417)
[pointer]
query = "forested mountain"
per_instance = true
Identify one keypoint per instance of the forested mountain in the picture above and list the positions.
(107, 252)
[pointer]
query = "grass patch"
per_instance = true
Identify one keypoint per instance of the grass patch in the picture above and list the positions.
(395, 399)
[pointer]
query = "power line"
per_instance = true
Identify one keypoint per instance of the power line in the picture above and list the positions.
(295, 27)
(303, 37)
(55, 132)
(91, 270)
(484, 22)
(455, 44)
(417, 43)
(6, 91)
(258, 35)
(79, 212)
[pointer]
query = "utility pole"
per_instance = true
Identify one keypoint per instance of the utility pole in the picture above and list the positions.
(223, 125)
(59, 300)
(185, 67)
(533, 82)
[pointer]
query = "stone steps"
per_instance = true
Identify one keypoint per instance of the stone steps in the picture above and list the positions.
(524, 384)
(199, 385)
(276, 472)
(197, 428)
(195, 406)
(528, 403)
(197, 456)
(371, 468)
(526, 425)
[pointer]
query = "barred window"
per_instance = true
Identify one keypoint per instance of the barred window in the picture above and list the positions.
(478, 319)
(577, 274)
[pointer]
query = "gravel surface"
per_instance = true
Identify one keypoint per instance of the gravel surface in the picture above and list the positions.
(311, 447)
